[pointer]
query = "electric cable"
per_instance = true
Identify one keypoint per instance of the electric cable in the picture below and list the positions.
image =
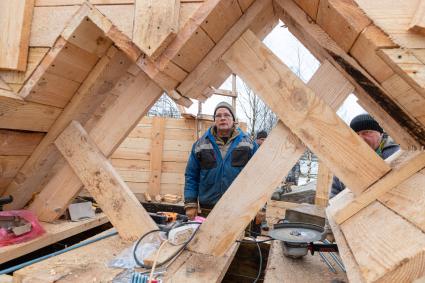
(261, 261)
(139, 263)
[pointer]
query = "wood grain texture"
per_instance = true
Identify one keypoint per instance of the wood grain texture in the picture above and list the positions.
(155, 25)
(311, 119)
(383, 15)
(18, 142)
(385, 254)
(15, 23)
(157, 148)
(417, 24)
(103, 182)
(108, 128)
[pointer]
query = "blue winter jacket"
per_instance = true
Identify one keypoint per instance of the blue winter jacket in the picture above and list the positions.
(207, 175)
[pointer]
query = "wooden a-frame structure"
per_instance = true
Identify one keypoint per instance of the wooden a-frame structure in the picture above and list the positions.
(90, 79)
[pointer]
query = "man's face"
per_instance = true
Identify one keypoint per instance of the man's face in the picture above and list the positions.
(260, 141)
(223, 119)
(372, 138)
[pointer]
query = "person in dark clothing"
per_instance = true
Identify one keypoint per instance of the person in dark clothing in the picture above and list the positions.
(261, 137)
(372, 133)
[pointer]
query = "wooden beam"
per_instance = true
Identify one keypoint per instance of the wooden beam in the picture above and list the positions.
(311, 118)
(108, 128)
(155, 25)
(18, 142)
(282, 149)
(15, 23)
(55, 232)
(403, 169)
(15, 113)
(417, 24)
(93, 91)
(157, 147)
(396, 122)
(223, 92)
(324, 183)
(102, 181)
(199, 79)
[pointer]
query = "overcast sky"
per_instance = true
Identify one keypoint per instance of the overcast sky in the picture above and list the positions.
(298, 59)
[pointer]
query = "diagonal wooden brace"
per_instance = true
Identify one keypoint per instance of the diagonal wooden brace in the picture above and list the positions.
(102, 181)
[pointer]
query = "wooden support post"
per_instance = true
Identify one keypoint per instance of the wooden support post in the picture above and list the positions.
(157, 147)
(155, 25)
(417, 23)
(15, 27)
(308, 116)
(324, 183)
(108, 129)
(234, 93)
(281, 150)
(102, 181)
(403, 169)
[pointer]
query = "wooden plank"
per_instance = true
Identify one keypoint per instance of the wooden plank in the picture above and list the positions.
(342, 20)
(250, 59)
(155, 25)
(197, 81)
(18, 142)
(91, 94)
(407, 65)
(417, 24)
(306, 269)
(401, 171)
(407, 200)
(221, 19)
(281, 149)
(310, 7)
(385, 253)
(15, 113)
(324, 183)
(383, 16)
(102, 181)
(85, 264)
(9, 166)
(15, 20)
(194, 267)
(371, 96)
(144, 165)
(407, 97)
(157, 147)
(108, 128)
(55, 232)
(364, 51)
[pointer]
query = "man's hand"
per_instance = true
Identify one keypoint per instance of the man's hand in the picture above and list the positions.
(191, 212)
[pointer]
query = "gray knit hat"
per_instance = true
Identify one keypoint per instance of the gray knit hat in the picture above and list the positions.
(365, 122)
(226, 105)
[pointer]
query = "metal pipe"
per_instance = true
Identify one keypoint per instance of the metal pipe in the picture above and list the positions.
(83, 243)
(337, 260)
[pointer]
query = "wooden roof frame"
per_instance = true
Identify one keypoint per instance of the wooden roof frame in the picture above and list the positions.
(117, 67)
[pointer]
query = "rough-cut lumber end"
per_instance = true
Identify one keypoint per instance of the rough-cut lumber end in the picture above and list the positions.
(418, 21)
(102, 181)
(179, 99)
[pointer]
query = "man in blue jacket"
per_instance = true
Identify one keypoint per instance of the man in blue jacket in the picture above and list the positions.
(215, 161)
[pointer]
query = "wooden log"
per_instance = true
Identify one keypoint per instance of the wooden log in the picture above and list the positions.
(108, 129)
(155, 25)
(372, 98)
(15, 23)
(311, 118)
(157, 147)
(102, 181)
(92, 93)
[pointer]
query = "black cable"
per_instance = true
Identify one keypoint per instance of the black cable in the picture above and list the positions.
(254, 241)
(139, 263)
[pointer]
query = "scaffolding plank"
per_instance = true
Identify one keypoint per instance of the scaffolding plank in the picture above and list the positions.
(15, 23)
